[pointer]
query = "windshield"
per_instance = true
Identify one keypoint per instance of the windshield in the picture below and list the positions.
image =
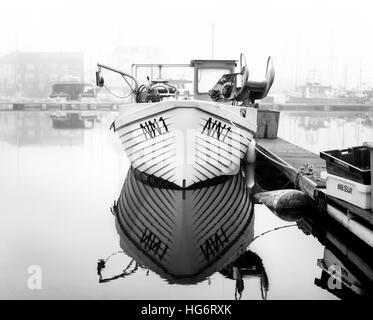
(179, 77)
(207, 78)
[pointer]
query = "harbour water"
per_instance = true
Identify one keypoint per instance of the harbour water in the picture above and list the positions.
(58, 188)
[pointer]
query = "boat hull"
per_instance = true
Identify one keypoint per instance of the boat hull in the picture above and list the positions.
(186, 142)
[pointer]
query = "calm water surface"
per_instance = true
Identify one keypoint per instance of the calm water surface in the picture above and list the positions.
(57, 189)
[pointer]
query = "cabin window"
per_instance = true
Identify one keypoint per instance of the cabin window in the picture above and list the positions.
(207, 78)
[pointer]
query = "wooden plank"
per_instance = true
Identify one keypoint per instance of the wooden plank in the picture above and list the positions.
(292, 154)
(349, 208)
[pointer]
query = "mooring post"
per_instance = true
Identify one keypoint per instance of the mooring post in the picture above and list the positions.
(370, 146)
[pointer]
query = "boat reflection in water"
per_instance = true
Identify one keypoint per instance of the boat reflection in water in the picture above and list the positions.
(247, 265)
(73, 120)
(186, 235)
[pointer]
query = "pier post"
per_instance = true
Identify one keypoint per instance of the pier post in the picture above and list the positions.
(268, 121)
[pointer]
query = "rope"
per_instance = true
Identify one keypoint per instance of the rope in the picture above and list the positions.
(274, 229)
(113, 254)
(286, 184)
(122, 275)
(115, 95)
(129, 266)
(125, 79)
(272, 159)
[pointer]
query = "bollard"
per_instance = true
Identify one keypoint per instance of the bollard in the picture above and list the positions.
(370, 146)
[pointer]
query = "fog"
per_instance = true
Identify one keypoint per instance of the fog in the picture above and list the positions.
(333, 37)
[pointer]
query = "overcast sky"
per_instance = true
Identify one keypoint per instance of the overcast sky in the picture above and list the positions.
(334, 37)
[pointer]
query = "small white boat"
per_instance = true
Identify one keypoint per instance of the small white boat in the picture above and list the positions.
(189, 141)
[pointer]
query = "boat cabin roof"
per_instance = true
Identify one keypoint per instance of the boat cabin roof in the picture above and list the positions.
(213, 63)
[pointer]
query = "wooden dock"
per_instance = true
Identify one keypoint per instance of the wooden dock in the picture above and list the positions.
(300, 166)
(303, 169)
(327, 107)
(57, 106)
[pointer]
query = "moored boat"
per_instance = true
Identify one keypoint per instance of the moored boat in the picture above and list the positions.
(73, 89)
(184, 141)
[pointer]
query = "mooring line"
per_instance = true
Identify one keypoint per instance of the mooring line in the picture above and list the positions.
(274, 229)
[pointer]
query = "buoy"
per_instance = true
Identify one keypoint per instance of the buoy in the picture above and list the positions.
(291, 215)
(283, 199)
(288, 204)
(251, 152)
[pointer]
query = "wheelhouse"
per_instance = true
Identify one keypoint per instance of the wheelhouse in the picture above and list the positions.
(197, 78)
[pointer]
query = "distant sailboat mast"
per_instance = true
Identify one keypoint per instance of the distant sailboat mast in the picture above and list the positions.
(297, 62)
(332, 58)
(360, 77)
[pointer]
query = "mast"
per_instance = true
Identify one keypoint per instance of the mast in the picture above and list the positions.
(212, 40)
(360, 77)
